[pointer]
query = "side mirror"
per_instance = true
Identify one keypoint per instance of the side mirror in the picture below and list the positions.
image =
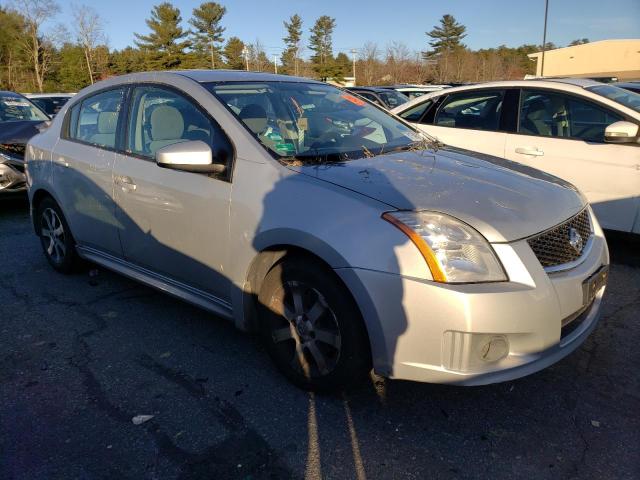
(189, 156)
(621, 132)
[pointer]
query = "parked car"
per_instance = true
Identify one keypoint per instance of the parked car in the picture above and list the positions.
(383, 97)
(342, 234)
(50, 103)
(631, 86)
(413, 91)
(19, 121)
(583, 131)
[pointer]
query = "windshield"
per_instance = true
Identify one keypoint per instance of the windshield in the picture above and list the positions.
(17, 109)
(393, 98)
(315, 123)
(617, 94)
(50, 105)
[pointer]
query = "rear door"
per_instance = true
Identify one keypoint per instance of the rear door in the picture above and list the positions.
(174, 223)
(563, 134)
(83, 161)
(471, 120)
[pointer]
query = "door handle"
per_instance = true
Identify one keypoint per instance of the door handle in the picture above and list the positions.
(125, 183)
(533, 151)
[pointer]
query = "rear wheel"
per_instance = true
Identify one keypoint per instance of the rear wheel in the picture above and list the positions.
(312, 327)
(55, 236)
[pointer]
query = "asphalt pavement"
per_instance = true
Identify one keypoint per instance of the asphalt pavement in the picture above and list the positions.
(81, 356)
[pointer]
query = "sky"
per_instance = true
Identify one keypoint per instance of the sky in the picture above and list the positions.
(489, 23)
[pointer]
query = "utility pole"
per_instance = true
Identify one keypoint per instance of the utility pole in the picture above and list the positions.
(275, 63)
(245, 53)
(353, 57)
(544, 36)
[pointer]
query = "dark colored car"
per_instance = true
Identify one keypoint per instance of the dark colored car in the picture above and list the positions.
(384, 97)
(19, 121)
(49, 103)
(631, 86)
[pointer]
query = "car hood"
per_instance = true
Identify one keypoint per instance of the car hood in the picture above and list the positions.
(15, 135)
(503, 200)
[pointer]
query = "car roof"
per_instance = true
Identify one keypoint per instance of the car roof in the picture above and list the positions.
(632, 83)
(370, 89)
(8, 93)
(203, 76)
(48, 95)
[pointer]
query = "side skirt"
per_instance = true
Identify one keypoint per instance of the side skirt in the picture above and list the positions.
(174, 288)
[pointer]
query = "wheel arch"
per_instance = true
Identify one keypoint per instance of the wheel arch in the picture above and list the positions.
(36, 198)
(265, 260)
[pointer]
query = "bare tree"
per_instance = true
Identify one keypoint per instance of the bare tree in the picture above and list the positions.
(36, 45)
(398, 59)
(370, 62)
(89, 32)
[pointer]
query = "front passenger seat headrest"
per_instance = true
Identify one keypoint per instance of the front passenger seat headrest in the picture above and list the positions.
(166, 123)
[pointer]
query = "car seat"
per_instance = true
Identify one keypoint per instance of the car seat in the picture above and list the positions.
(106, 126)
(167, 127)
(535, 120)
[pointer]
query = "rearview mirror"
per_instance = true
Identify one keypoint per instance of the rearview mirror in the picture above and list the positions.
(189, 156)
(621, 132)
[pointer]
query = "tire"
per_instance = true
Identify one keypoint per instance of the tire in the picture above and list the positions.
(312, 327)
(57, 242)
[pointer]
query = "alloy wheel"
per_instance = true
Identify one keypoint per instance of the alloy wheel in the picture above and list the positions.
(52, 235)
(307, 331)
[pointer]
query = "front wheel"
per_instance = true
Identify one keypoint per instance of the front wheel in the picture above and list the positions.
(312, 327)
(55, 236)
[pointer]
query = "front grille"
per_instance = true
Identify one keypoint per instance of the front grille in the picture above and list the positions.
(563, 243)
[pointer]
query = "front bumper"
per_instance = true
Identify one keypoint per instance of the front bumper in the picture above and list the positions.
(432, 332)
(12, 176)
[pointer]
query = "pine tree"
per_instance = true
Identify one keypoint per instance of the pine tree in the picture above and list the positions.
(165, 43)
(579, 41)
(207, 36)
(342, 65)
(447, 37)
(291, 56)
(320, 43)
(234, 54)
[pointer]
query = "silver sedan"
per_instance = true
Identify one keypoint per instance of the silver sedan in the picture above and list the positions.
(343, 235)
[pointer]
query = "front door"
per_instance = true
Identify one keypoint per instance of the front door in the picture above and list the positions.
(176, 223)
(564, 135)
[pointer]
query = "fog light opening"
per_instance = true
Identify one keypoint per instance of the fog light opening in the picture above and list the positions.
(496, 348)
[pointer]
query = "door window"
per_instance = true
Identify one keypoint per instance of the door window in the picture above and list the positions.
(97, 119)
(414, 114)
(557, 115)
(160, 117)
(478, 110)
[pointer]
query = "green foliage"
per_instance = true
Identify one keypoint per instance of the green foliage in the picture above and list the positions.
(342, 65)
(165, 43)
(233, 54)
(207, 36)
(12, 34)
(291, 55)
(447, 37)
(321, 43)
(70, 73)
(579, 41)
(167, 46)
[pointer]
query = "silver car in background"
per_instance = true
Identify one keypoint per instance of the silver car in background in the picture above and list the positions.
(340, 233)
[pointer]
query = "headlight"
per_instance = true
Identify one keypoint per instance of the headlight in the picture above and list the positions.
(454, 251)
